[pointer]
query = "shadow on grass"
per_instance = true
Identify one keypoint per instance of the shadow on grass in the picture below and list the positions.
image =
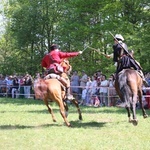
(14, 127)
(92, 124)
(44, 111)
(74, 124)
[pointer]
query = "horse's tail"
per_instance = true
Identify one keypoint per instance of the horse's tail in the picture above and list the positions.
(40, 88)
(125, 89)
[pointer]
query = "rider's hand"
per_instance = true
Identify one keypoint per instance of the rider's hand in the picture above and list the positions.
(120, 42)
(80, 52)
(107, 56)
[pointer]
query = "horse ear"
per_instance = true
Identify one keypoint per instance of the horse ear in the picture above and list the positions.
(66, 59)
(70, 69)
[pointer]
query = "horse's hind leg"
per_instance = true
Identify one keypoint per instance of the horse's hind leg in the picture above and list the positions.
(133, 107)
(63, 113)
(50, 110)
(129, 115)
(141, 104)
(75, 102)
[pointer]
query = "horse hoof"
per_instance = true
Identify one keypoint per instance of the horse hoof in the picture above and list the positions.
(54, 120)
(70, 126)
(80, 118)
(145, 116)
(130, 120)
(135, 122)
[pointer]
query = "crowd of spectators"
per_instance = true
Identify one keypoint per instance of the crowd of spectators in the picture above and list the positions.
(16, 86)
(96, 90)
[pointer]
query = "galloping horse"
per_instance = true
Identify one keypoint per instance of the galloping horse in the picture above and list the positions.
(52, 89)
(128, 85)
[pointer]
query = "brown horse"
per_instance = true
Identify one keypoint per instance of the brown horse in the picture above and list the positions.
(128, 85)
(52, 89)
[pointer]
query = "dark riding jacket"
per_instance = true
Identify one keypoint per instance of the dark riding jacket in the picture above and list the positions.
(123, 59)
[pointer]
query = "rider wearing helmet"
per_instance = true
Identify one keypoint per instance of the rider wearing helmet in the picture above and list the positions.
(117, 48)
(51, 62)
(123, 59)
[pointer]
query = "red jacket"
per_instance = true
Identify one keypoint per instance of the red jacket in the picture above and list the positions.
(56, 56)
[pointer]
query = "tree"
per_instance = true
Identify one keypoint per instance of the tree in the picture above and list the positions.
(73, 24)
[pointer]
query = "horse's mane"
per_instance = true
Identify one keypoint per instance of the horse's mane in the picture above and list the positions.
(65, 64)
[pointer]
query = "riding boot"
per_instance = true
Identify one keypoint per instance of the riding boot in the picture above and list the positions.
(67, 85)
(68, 95)
(143, 78)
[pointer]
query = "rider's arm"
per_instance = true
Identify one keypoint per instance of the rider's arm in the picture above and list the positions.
(68, 54)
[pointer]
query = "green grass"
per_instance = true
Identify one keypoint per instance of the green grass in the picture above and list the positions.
(25, 124)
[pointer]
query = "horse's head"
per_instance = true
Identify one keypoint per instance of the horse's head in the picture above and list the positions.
(67, 67)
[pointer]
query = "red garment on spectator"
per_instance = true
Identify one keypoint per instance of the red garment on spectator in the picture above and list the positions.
(148, 98)
(56, 56)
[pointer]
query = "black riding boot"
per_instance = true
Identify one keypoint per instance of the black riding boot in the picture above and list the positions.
(143, 78)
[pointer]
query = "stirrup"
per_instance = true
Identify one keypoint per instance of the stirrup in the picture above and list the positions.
(145, 83)
(69, 97)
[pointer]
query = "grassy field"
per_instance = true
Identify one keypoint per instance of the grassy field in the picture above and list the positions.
(25, 124)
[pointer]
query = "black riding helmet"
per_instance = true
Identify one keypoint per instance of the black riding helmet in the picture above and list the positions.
(54, 46)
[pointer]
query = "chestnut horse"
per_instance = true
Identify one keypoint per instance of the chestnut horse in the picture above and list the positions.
(128, 85)
(53, 90)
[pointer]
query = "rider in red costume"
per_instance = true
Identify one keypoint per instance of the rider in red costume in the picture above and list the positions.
(52, 60)
(55, 57)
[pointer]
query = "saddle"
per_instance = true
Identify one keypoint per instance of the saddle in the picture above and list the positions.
(55, 76)
(139, 72)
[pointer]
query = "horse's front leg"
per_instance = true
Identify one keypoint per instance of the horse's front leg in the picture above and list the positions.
(63, 112)
(49, 109)
(75, 102)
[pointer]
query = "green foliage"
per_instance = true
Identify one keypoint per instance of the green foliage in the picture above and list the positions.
(32, 26)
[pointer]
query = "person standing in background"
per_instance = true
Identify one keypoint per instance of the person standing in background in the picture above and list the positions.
(83, 81)
(15, 87)
(27, 85)
(75, 82)
(103, 91)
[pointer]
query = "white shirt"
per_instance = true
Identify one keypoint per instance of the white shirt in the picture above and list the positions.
(105, 88)
(88, 85)
(84, 94)
(93, 87)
